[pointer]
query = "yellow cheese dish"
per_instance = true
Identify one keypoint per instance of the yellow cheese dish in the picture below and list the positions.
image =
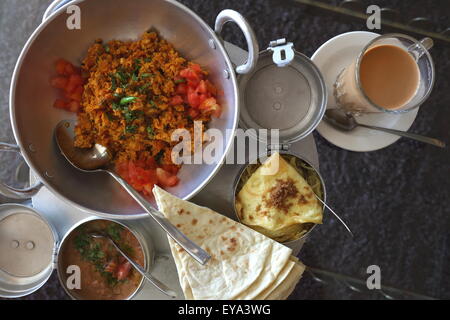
(277, 201)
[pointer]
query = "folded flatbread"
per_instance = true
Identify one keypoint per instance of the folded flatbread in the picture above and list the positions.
(277, 201)
(244, 263)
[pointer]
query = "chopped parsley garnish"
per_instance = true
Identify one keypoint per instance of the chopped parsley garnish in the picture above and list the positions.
(146, 75)
(131, 128)
(150, 132)
(116, 106)
(143, 88)
(106, 47)
(131, 115)
(113, 83)
(114, 230)
(180, 81)
(122, 76)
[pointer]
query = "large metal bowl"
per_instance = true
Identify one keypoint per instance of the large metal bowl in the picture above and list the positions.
(34, 119)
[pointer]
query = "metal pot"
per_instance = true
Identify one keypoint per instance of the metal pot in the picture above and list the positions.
(33, 117)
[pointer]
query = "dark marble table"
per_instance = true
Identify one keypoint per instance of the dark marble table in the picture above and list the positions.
(395, 199)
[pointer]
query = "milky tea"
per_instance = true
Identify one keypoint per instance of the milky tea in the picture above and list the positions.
(388, 76)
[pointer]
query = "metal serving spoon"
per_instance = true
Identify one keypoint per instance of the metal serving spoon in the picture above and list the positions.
(98, 158)
(347, 122)
(158, 284)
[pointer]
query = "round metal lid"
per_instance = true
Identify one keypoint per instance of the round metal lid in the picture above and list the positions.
(286, 91)
(27, 249)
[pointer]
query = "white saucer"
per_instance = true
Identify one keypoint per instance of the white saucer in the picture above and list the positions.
(333, 56)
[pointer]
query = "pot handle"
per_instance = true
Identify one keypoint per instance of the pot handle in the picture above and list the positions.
(14, 193)
(55, 5)
(252, 44)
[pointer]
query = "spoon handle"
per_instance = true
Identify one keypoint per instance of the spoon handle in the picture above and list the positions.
(158, 284)
(432, 141)
(191, 248)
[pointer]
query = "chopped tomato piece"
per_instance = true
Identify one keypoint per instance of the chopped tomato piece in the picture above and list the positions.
(193, 98)
(73, 106)
(202, 88)
(60, 104)
(123, 271)
(111, 267)
(70, 69)
(181, 89)
(65, 68)
(211, 88)
(211, 105)
(176, 100)
(122, 170)
(61, 66)
(151, 163)
(76, 94)
(193, 113)
(59, 82)
(190, 74)
(171, 168)
(166, 179)
(196, 67)
(75, 81)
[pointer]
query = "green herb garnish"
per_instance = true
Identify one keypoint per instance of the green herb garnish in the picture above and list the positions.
(150, 132)
(114, 230)
(122, 76)
(143, 88)
(131, 128)
(127, 100)
(116, 106)
(146, 75)
(180, 81)
(113, 83)
(131, 115)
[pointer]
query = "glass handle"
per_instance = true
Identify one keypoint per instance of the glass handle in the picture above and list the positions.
(417, 50)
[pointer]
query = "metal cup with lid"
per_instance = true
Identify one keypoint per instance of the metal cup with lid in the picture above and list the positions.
(287, 92)
(28, 246)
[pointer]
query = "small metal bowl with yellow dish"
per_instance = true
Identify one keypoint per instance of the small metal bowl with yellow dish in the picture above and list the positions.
(278, 198)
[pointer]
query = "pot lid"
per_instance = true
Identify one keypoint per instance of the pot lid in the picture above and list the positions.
(285, 91)
(27, 250)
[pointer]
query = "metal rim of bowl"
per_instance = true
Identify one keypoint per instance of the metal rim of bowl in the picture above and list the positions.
(146, 249)
(245, 166)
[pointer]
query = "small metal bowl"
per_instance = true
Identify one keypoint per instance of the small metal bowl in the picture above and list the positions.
(144, 242)
(296, 244)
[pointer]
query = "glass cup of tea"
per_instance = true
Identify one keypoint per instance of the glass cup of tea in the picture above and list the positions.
(394, 73)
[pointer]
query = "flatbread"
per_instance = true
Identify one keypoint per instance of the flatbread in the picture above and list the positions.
(285, 288)
(277, 201)
(244, 262)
